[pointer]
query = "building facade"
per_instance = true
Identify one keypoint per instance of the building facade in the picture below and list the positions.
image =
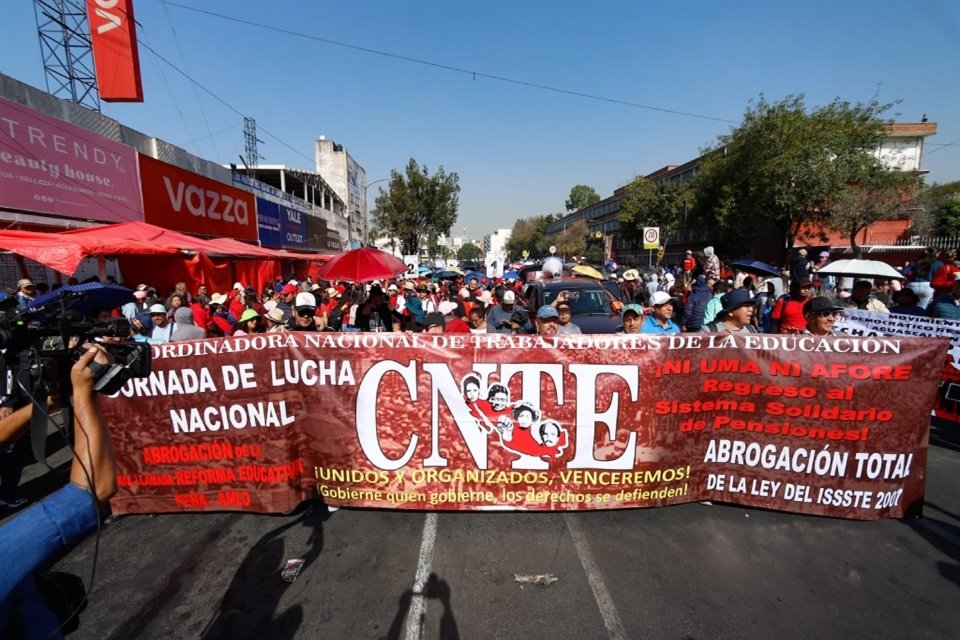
(349, 180)
(901, 149)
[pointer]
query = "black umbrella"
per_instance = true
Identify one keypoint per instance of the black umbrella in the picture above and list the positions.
(83, 298)
(755, 266)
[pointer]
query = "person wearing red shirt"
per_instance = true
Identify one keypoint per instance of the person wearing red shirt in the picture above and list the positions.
(788, 313)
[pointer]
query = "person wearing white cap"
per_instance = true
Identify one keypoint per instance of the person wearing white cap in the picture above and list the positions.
(660, 319)
(163, 326)
(304, 313)
(502, 317)
(26, 292)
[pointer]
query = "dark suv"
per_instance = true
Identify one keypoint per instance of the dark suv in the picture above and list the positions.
(590, 302)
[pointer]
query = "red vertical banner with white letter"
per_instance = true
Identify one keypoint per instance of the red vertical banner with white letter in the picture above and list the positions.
(114, 38)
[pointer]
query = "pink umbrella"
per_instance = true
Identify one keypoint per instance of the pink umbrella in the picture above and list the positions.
(362, 265)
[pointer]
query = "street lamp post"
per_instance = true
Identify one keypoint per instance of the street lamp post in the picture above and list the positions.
(366, 209)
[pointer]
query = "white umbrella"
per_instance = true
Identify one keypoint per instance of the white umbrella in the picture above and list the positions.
(864, 268)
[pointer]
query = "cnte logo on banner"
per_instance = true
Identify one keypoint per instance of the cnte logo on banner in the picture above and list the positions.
(206, 203)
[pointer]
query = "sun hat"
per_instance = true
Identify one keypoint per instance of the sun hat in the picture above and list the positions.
(276, 316)
(248, 314)
(218, 298)
(820, 304)
(158, 308)
(735, 299)
(631, 274)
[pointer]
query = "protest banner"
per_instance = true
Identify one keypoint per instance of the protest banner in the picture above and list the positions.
(831, 426)
(857, 322)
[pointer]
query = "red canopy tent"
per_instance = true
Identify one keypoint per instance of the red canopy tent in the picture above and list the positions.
(218, 263)
(173, 257)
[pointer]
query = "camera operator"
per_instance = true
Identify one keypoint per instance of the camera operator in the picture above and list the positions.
(63, 517)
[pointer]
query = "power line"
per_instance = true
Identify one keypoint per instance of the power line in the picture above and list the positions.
(183, 59)
(942, 147)
(446, 67)
(223, 102)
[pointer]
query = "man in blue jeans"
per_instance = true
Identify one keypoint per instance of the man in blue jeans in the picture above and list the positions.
(62, 518)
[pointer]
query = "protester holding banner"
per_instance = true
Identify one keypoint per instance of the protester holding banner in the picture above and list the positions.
(548, 321)
(304, 313)
(632, 318)
(736, 316)
(821, 316)
(660, 319)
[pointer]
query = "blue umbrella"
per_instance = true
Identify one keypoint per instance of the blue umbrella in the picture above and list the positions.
(424, 270)
(756, 266)
(446, 275)
(83, 298)
(508, 275)
(474, 274)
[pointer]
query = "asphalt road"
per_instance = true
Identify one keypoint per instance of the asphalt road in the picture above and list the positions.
(685, 572)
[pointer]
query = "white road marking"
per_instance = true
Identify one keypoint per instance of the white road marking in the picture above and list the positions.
(608, 611)
(418, 602)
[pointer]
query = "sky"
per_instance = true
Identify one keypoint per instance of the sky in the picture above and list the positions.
(449, 83)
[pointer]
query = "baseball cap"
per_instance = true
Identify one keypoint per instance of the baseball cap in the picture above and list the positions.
(634, 308)
(510, 297)
(659, 298)
(546, 312)
(24, 283)
(158, 308)
(434, 318)
(288, 289)
(305, 299)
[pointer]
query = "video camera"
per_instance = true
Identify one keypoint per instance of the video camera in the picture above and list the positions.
(52, 334)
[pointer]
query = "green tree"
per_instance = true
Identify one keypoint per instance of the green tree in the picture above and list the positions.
(572, 242)
(417, 204)
(651, 204)
(941, 204)
(595, 252)
(529, 234)
(582, 196)
(438, 251)
(469, 252)
(782, 165)
(879, 194)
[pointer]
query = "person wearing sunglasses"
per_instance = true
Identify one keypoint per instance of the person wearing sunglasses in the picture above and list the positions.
(821, 316)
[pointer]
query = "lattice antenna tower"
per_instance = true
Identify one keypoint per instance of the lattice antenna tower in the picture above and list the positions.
(250, 141)
(66, 51)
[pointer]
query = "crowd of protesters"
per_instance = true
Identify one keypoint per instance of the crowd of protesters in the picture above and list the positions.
(700, 294)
